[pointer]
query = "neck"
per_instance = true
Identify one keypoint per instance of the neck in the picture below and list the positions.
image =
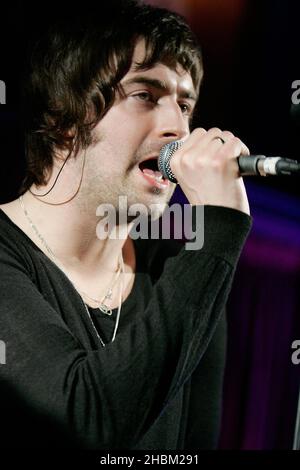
(70, 231)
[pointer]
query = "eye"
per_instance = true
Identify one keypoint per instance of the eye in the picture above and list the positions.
(185, 108)
(144, 96)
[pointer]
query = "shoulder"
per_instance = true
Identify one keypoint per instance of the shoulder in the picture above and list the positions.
(14, 251)
(10, 213)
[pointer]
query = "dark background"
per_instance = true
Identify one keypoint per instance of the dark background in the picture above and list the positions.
(251, 53)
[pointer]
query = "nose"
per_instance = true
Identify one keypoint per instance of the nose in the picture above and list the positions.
(170, 123)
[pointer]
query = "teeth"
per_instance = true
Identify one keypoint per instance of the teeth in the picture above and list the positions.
(158, 175)
(153, 174)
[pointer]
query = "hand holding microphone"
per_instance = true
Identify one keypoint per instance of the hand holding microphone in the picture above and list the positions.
(246, 164)
(205, 166)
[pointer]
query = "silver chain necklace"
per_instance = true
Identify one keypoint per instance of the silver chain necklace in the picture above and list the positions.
(102, 307)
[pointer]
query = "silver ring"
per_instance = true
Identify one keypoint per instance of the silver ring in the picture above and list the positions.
(220, 138)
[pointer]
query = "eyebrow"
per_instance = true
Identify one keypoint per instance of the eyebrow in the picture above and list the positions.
(159, 85)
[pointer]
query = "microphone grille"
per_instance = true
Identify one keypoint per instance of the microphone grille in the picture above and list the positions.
(164, 158)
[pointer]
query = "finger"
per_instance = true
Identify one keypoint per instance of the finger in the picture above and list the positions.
(202, 137)
(215, 139)
(233, 148)
(245, 150)
(227, 136)
(214, 145)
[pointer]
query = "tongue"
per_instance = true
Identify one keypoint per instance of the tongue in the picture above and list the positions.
(154, 174)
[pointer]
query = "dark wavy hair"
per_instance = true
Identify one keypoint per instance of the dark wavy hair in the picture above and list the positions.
(76, 65)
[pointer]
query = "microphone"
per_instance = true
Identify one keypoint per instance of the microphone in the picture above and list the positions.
(250, 165)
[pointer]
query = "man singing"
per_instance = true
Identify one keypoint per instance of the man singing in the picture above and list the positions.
(115, 342)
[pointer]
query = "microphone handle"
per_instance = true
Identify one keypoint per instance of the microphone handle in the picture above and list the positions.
(251, 165)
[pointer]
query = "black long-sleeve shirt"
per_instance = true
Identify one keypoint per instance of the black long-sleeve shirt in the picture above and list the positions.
(146, 390)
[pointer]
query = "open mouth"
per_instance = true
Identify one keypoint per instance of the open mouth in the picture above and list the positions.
(149, 167)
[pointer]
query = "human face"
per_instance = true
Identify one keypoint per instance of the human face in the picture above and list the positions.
(154, 108)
